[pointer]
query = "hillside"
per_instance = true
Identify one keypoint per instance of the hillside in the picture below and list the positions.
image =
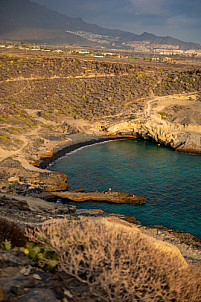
(23, 20)
(44, 97)
(51, 103)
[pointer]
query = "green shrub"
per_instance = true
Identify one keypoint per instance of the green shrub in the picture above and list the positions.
(24, 120)
(15, 129)
(47, 259)
(163, 114)
(5, 119)
(5, 138)
(47, 126)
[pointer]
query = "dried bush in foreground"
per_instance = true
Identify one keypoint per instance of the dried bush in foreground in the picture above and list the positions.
(117, 264)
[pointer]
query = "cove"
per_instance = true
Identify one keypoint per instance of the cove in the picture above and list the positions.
(170, 181)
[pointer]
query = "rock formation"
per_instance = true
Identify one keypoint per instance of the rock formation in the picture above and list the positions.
(14, 176)
(158, 126)
(101, 196)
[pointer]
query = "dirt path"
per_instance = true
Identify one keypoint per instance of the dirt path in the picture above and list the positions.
(46, 150)
(158, 110)
(61, 78)
(23, 137)
(159, 103)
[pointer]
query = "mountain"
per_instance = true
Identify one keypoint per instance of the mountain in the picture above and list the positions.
(25, 21)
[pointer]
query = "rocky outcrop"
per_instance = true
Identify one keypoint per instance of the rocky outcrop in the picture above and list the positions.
(174, 121)
(12, 174)
(177, 136)
(101, 196)
(31, 211)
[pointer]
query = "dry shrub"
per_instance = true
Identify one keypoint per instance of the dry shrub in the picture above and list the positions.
(117, 264)
(11, 232)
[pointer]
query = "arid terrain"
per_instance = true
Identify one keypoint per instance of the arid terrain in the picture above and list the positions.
(51, 103)
(45, 97)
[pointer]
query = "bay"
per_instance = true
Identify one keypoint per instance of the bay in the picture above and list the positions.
(170, 181)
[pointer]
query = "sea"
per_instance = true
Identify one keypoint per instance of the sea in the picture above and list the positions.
(170, 181)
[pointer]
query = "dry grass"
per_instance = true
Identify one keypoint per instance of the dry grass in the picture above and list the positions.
(116, 264)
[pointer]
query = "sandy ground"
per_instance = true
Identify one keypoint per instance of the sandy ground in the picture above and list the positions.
(186, 108)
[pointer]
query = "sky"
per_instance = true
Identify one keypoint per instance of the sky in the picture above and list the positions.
(180, 19)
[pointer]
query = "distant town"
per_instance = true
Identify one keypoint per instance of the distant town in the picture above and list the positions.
(143, 49)
(140, 46)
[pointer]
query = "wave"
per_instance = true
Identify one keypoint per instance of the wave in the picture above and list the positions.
(78, 149)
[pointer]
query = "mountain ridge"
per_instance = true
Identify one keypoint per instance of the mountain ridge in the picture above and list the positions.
(16, 15)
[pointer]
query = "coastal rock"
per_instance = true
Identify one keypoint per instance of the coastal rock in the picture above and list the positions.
(12, 172)
(175, 136)
(173, 121)
(103, 196)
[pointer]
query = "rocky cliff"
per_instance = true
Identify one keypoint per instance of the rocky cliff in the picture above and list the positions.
(157, 122)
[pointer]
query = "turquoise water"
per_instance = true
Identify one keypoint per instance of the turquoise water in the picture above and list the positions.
(170, 181)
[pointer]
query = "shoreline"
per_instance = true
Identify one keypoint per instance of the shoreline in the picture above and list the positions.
(188, 245)
(34, 212)
(78, 140)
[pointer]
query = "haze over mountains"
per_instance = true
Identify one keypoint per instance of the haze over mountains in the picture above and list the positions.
(25, 21)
